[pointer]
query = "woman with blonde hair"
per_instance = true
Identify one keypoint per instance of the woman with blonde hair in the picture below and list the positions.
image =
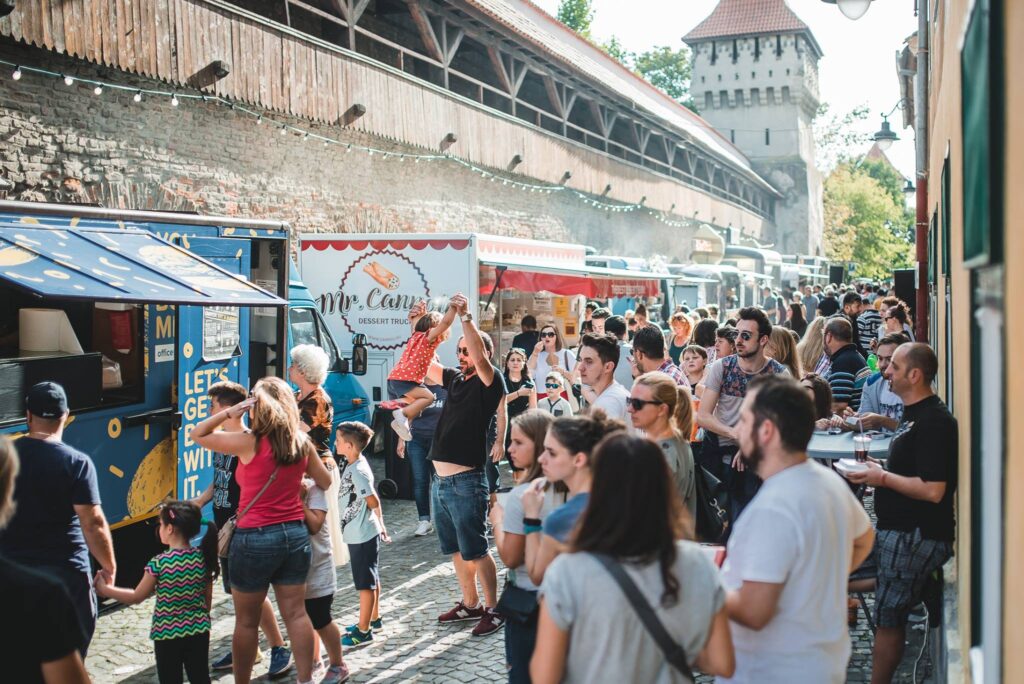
(811, 350)
(270, 545)
(664, 411)
(678, 338)
(782, 347)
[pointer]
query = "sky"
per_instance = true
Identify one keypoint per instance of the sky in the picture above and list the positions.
(858, 67)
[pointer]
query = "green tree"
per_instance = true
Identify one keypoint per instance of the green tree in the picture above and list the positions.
(577, 15)
(667, 70)
(836, 138)
(614, 48)
(863, 223)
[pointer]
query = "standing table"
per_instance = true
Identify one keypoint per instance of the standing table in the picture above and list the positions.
(828, 447)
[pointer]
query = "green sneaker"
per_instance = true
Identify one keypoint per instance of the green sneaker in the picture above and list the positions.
(356, 638)
(374, 625)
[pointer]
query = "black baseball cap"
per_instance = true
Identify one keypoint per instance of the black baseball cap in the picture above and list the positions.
(47, 400)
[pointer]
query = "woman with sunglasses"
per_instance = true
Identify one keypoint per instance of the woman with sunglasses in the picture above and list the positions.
(549, 355)
(521, 396)
(896, 320)
(663, 410)
(553, 401)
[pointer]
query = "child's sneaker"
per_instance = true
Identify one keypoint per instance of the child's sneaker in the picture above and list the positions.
(374, 625)
(423, 528)
(318, 670)
(336, 674)
(355, 638)
(400, 425)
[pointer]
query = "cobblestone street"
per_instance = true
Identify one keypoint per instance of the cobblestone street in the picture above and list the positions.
(418, 585)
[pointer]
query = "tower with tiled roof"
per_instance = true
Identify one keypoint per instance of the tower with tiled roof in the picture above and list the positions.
(755, 79)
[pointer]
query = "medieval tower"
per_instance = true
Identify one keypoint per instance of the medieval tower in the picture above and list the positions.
(755, 79)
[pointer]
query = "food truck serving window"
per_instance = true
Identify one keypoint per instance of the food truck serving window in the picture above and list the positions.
(75, 304)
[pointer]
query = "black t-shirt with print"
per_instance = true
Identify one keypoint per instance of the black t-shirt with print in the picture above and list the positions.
(924, 446)
(461, 432)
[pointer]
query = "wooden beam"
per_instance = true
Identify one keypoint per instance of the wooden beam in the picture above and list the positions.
(554, 96)
(598, 116)
(426, 29)
(452, 44)
(670, 150)
(499, 68)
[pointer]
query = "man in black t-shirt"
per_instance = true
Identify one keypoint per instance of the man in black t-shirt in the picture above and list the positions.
(59, 520)
(459, 494)
(528, 338)
(913, 501)
(828, 305)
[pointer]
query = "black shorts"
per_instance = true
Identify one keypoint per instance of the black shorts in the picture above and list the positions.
(319, 610)
(363, 559)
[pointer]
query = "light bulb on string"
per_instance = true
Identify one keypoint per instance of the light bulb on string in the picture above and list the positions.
(137, 97)
(284, 129)
(17, 74)
(98, 90)
(174, 100)
(69, 80)
(259, 120)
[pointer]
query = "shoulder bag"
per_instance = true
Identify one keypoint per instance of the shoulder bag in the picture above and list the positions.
(225, 533)
(673, 650)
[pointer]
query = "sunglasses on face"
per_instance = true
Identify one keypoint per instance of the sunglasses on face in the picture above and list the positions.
(462, 351)
(552, 385)
(547, 334)
(746, 336)
(638, 404)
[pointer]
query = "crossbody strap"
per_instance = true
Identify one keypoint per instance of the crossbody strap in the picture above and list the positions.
(672, 650)
(254, 499)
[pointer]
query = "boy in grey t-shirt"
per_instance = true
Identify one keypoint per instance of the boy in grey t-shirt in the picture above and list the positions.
(362, 527)
(321, 581)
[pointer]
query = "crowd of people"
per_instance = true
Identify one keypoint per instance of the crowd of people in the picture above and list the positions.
(624, 455)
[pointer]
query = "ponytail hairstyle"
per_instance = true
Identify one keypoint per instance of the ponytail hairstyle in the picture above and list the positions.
(676, 397)
(275, 415)
(580, 434)
(186, 518)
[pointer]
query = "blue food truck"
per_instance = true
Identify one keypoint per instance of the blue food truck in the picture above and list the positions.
(136, 314)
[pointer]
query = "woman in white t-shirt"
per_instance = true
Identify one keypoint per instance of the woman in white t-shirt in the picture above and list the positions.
(549, 355)
(588, 630)
(527, 443)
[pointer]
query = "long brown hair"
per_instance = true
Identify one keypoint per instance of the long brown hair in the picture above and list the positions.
(275, 415)
(785, 350)
(559, 343)
(634, 512)
(680, 406)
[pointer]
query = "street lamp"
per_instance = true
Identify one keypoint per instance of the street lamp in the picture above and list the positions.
(885, 137)
(851, 9)
(909, 188)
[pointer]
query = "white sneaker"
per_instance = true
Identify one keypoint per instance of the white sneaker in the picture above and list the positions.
(400, 425)
(423, 528)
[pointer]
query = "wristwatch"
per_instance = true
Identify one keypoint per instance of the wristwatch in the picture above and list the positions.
(467, 317)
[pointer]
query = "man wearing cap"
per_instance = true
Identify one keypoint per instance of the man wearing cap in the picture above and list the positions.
(58, 521)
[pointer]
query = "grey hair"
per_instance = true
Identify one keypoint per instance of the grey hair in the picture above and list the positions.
(311, 361)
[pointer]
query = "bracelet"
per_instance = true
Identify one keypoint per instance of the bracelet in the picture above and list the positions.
(530, 529)
(531, 522)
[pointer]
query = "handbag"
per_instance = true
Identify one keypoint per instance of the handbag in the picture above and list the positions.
(517, 603)
(227, 531)
(712, 522)
(672, 649)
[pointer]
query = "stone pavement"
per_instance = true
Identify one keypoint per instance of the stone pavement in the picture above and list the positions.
(418, 584)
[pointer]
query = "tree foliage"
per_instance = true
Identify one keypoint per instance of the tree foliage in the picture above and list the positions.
(667, 70)
(865, 223)
(836, 138)
(577, 15)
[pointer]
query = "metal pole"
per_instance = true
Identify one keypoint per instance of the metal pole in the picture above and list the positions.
(921, 135)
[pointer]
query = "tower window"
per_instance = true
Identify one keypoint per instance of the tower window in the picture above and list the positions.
(767, 136)
(757, 49)
(701, 79)
(719, 78)
(714, 52)
(709, 99)
(753, 74)
(769, 73)
(778, 45)
(732, 136)
(735, 51)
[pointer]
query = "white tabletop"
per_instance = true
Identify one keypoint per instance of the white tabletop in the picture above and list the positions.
(830, 447)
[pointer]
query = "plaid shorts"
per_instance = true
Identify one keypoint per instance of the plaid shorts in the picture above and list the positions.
(906, 561)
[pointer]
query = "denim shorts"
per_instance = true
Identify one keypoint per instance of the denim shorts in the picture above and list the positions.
(275, 554)
(459, 504)
(399, 388)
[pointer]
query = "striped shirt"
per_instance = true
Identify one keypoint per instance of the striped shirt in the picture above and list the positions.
(868, 323)
(181, 585)
(847, 375)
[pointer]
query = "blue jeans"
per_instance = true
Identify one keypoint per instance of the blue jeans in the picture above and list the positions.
(520, 638)
(460, 513)
(416, 451)
(275, 554)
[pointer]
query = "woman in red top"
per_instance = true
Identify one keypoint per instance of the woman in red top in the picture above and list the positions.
(271, 542)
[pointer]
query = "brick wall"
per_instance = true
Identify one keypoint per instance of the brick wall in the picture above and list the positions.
(62, 143)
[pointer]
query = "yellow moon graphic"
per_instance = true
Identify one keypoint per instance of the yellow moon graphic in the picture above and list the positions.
(153, 481)
(15, 256)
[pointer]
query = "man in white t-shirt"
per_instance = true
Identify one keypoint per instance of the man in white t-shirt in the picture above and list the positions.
(790, 556)
(598, 356)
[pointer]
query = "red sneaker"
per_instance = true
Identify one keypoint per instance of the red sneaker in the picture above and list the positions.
(490, 623)
(460, 613)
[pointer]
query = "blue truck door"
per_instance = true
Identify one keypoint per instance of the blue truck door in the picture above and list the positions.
(211, 344)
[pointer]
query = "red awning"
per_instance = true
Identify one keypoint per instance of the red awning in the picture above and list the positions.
(590, 281)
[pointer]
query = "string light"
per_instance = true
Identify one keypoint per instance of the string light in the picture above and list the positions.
(175, 99)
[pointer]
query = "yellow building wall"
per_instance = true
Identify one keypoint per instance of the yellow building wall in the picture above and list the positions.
(1013, 588)
(945, 139)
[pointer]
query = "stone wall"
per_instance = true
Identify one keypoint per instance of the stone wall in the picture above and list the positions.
(63, 143)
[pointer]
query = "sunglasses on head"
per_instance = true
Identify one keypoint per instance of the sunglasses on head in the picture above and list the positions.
(548, 334)
(638, 404)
